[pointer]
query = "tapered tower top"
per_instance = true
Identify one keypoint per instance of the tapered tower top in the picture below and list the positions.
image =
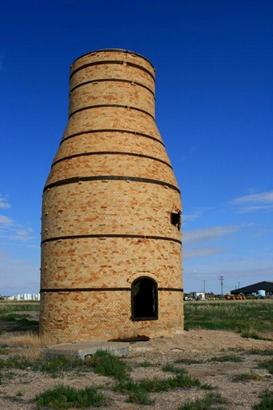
(114, 50)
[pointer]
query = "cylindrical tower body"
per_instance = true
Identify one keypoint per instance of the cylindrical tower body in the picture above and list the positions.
(111, 240)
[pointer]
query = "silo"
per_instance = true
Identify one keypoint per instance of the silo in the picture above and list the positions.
(111, 238)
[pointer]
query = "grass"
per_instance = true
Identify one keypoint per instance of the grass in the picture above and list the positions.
(188, 361)
(138, 392)
(20, 319)
(63, 397)
(145, 364)
(261, 352)
(7, 307)
(236, 316)
(101, 362)
(6, 376)
(266, 402)
(106, 364)
(267, 364)
(3, 350)
(208, 402)
(250, 334)
(234, 349)
(226, 358)
(170, 368)
(247, 377)
(15, 362)
(30, 344)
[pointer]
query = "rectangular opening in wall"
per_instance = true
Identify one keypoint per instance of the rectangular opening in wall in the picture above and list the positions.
(176, 219)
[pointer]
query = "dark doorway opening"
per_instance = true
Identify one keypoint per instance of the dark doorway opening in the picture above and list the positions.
(144, 299)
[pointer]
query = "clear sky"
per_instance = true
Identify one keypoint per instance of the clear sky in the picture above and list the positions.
(214, 101)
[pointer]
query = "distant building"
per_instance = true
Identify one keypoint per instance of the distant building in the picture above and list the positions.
(195, 296)
(256, 288)
(24, 297)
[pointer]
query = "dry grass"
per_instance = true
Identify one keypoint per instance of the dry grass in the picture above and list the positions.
(27, 339)
(30, 344)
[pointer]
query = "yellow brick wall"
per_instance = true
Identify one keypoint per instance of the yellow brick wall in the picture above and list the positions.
(106, 208)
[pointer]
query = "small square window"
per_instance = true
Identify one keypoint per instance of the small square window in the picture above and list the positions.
(176, 219)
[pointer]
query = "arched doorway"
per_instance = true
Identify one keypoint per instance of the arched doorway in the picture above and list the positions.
(144, 299)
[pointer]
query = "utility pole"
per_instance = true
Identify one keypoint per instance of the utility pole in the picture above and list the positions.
(221, 278)
(204, 286)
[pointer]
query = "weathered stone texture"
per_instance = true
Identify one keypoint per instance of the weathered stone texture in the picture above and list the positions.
(100, 233)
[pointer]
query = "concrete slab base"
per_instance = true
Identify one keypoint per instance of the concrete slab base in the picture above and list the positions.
(83, 349)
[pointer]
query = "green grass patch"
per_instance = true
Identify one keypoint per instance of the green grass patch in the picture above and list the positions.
(63, 397)
(170, 368)
(233, 349)
(57, 366)
(138, 392)
(4, 350)
(54, 367)
(7, 307)
(226, 358)
(208, 402)
(246, 377)
(101, 362)
(140, 397)
(243, 316)
(266, 402)
(15, 362)
(145, 364)
(21, 319)
(180, 371)
(104, 363)
(249, 334)
(261, 352)
(6, 376)
(267, 364)
(181, 380)
(188, 361)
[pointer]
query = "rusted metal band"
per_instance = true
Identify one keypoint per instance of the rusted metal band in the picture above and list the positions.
(114, 50)
(126, 236)
(55, 290)
(140, 134)
(113, 80)
(128, 107)
(110, 178)
(171, 289)
(111, 153)
(121, 62)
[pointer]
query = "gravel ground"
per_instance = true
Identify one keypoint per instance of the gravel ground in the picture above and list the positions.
(18, 388)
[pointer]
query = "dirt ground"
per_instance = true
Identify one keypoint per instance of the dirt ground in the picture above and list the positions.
(18, 390)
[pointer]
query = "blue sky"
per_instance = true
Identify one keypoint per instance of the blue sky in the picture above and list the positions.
(214, 103)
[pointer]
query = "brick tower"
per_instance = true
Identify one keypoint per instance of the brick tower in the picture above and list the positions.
(111, 240)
